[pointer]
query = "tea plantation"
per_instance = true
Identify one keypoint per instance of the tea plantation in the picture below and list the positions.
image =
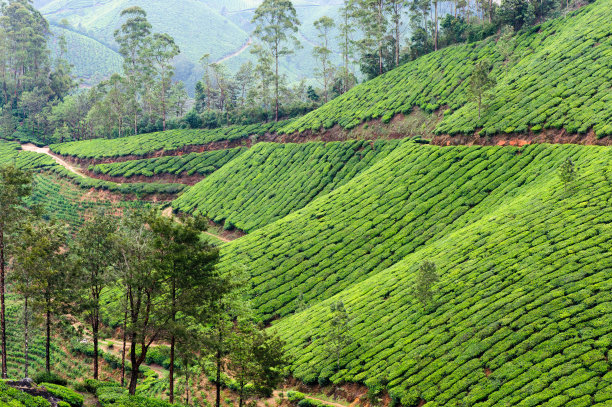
(272, 180)
(171, 140)
(190, 164)
(557, 76)
(521, 315)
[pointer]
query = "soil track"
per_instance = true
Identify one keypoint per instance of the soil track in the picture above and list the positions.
(47, 151)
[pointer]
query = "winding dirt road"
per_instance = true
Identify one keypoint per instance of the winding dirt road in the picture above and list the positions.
(47, 151)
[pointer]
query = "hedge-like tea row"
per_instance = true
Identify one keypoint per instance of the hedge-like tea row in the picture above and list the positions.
(190, 164)
(522, 314)
(62, 200)
(561, 80)
(143, 144)
(272, 180)
(11, 153)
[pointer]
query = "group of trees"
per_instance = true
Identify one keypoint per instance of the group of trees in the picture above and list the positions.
(30, 82)
(37, 95)
(158, 270)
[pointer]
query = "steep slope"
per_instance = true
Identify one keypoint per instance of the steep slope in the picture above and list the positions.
(520, 316)
(171, 141)
(556, 77)
(92, 60)
(272, 180)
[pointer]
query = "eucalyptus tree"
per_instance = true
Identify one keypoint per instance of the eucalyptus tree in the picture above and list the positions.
(348, 13)
(15, 186)
(95, 259)
(322, 52)
(276, 25)
(133, 38)
(161, 50)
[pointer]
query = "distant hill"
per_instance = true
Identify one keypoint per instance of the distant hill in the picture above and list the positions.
(221, 29)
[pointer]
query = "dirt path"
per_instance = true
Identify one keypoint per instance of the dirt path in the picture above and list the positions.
(235, 54)
(276, 395)
(47, 151)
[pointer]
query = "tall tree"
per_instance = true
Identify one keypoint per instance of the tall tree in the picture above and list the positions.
(276, 23)
(480, 82)
(95, 257)
(142, 285)
(398, 11)
(43, 255)
(373, 20)
(191, 282)
(347, 29)
(161, 51)
(244, 79)
(15, 185)
(133, 38)
(338, 336)
(322, 52)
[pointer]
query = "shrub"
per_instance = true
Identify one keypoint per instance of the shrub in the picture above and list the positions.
(68, 395)
(54, 378)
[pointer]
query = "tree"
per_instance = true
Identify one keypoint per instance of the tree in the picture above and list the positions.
(481, 82)
(15, 185)
(426, 277)
(338, 336)
(256, 357)
(161, 51)
(324, 25)
(398, 9)
(244, 79)
(567, 173)
(347, 15)
(142, 285)
(133, 38)
(41, 264)
(178, 98)
(373, 19)
(94, 249)
(276, 23)
(191, 283)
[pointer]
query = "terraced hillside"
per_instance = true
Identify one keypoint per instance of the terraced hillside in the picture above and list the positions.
(199, 164)
(272, 180)
(521, 314)
(556, 77)
(171, 141)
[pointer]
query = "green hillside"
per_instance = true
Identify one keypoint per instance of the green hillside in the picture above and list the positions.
(189, 164)
(101, 18)
(272, 180)
(557, 77)
(92, 60)
(521, 313)
(146, 144)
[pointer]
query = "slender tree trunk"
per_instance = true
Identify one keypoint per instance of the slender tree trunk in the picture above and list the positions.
(172, 343)
(95, 329)
(490, 10)
(186, 383)
(2, 305)
(276, 88)
(48, 339)
(436, 26)
(124, 345)
(135, 365)
(26, 338)
(218, 383)
(241, 394)
(467, 11)
(397, 40)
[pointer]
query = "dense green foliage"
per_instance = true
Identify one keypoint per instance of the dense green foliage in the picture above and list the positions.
(190, 164)
(272, 180)
(521, 313)
(11, 153)
(557, 76)
(171, 140)
(16, 398)
(68, 395)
